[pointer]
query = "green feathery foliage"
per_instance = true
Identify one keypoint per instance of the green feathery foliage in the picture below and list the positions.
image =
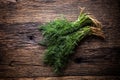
(61, 36)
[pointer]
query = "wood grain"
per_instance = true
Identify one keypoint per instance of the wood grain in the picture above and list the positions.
(21, 56)
(68, 78)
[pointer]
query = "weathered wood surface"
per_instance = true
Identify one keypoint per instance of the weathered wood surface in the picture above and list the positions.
(21, 56)
(68, 78)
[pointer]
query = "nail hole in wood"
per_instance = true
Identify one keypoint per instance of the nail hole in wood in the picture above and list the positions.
(78, 60)
(31, 37)
(11, 63)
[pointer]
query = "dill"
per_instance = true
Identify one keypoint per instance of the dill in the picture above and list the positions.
(61, 37)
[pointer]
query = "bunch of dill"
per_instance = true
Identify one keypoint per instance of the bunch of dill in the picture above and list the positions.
(61, 36)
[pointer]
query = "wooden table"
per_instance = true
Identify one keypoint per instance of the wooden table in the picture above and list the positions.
(21, 56)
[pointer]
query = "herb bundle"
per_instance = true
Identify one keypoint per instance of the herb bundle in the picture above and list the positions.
(61, 37)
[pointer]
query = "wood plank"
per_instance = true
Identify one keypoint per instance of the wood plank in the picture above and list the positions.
(68, 78)
(21, 56)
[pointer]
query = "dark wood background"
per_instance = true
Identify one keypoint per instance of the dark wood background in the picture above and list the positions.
(21, 56)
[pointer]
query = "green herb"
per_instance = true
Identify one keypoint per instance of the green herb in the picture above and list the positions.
(61, 37)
